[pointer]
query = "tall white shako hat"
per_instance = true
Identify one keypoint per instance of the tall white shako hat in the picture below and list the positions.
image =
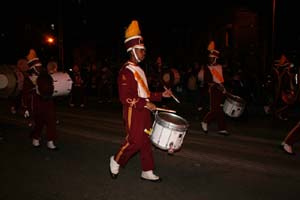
(133, 38)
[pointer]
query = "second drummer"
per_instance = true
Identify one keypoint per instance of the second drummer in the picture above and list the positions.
(213, 77)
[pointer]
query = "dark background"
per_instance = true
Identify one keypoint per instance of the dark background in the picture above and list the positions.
(89, 30)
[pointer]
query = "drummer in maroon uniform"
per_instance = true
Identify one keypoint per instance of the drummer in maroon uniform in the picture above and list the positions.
(213, 77)
(137, 106)
(43, 104)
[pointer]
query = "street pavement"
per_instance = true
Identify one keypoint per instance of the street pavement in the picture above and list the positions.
(245, 165)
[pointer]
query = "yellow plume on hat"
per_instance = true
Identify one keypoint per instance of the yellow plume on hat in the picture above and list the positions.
(133, 29)
(31, 55)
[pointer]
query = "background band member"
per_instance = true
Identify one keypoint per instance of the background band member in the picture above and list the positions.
(283, 86)
(16, 100)
(136, 99)
(213, 77)
(161, 76)
(78, 96)
(43, 104)
(291, 138)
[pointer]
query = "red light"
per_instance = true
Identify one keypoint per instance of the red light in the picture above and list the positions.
(50, 40)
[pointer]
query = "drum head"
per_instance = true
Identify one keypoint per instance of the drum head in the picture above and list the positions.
(171, 120)
(3, 81)
(9, 81)
(62, 83)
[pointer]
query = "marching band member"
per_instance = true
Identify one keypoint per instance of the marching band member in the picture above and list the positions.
(44, 113)
(283, 86)
(213, 77)
(161, 76)
(78, 96)
(136, 99)
(52, 68)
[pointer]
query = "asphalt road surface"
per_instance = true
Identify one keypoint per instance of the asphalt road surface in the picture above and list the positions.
(245, 165)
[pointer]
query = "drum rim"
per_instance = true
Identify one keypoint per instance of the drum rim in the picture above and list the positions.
(232, 100)
(171, 125)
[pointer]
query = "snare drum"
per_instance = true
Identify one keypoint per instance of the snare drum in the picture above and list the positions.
(234, 106)
(168, 131)
(62, 83)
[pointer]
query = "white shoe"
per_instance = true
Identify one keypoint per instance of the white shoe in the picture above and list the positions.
(35, 142)
(287, 148)
(149, 176)
(113, 168)
(204, 127)
(51, 146)
(223, 132)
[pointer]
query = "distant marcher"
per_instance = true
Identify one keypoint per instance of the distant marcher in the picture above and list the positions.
(214, 79)
(78, 95)
(283, 87)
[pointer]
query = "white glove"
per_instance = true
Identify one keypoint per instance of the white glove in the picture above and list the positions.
(26, 114)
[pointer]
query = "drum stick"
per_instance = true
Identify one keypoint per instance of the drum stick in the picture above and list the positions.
(172, 95)
(166, 110)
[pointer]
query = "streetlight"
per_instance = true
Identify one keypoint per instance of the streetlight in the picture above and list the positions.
(50, 40)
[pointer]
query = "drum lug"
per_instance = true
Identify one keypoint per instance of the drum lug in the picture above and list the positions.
(171, 148)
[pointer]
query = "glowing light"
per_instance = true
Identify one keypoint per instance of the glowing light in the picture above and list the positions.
(50, 40)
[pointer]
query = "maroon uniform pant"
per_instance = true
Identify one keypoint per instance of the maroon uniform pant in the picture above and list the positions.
(137, 141)
(216, 108)
(44, 116)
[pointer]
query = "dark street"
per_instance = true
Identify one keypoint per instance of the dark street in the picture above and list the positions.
(245, 165)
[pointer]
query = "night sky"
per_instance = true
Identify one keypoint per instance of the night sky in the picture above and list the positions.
(165, 26)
